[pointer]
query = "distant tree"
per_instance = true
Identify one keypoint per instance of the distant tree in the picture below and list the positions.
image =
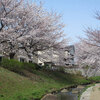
(88, 50)
(30, 27)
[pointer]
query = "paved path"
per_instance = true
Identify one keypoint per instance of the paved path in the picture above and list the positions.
(92, 93)
(95, 93)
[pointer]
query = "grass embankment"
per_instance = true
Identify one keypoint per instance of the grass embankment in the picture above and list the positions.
(30, 84)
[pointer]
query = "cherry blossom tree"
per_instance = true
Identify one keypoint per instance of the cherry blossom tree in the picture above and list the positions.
(88, 50)
(28, 26)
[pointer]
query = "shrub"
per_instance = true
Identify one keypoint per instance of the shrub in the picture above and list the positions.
(61, 69)
(16, 66)
(37, 67)
(79, 73)
(94, 79)
(12, 64)
(30, 66)
(45, 66)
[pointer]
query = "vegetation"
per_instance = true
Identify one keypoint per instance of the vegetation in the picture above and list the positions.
(34, 82)
(16, 66)
(88, 50)
(26, 27)
(94, 79)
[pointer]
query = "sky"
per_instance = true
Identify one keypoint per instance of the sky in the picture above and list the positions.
(76, 15)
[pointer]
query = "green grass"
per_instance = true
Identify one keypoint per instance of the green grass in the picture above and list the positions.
(16, 66)
(16, 87)
(94, 79)
(25, 81)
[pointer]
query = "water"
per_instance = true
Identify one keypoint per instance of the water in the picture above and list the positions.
(67, 96)
(72, 94)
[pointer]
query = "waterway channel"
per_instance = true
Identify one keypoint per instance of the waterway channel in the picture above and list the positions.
(66, 94)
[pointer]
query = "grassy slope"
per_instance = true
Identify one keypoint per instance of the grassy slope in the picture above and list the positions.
(16, 87)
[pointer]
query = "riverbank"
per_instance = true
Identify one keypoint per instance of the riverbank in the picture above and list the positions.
(92, 93)
(34, 85)
(28, 81)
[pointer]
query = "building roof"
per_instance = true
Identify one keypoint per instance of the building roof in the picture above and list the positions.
(68, 48)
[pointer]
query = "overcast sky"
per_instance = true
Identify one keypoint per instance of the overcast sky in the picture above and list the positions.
(77, 15)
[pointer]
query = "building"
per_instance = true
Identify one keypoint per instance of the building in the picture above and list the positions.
(69, 55)
(47, 56)
(56, 57)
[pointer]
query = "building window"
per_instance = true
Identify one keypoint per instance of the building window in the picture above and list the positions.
(30, 61)
(67, 64)
(0, 58)
(22, 60)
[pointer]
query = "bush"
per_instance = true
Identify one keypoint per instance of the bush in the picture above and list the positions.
(94, 79)
(16, 66)
(45, 66)
(12, 64)
(79, 73)
(37, 67)
(31, 66)
(61, 69)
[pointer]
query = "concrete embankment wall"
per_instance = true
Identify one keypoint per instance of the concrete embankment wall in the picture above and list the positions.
(82, 71)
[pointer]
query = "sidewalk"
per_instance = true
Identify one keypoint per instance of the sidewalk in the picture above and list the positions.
(92, 93)
(95, 93)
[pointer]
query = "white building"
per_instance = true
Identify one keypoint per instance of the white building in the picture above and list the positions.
(55, 57)
(47, 56)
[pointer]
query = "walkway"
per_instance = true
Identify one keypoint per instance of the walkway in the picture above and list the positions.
(92, 93)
